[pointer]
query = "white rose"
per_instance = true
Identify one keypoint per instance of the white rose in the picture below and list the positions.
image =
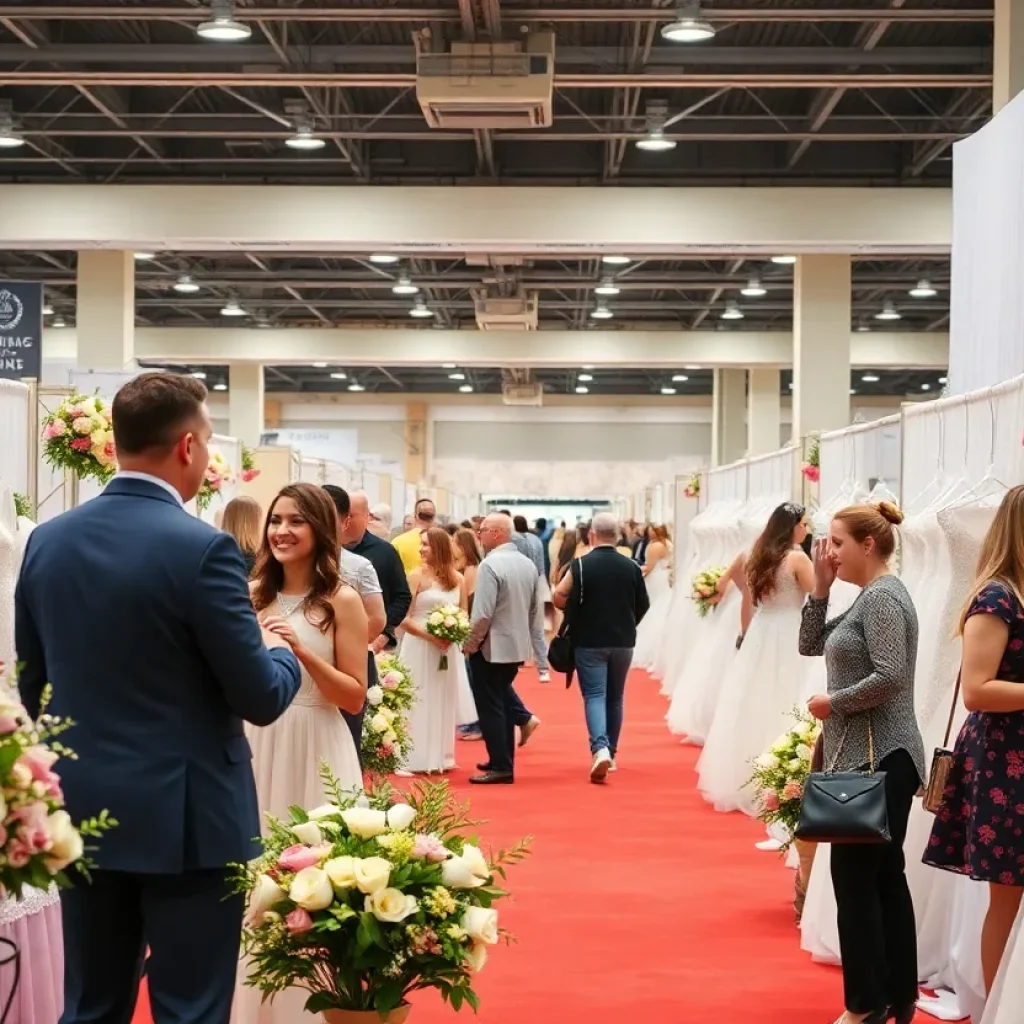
(476, 861)
(387, 714)
(767, 761)
(450, 622)
(457, 874)
(379, 723)
(400, 816)
(374, 695)
(66, 844)
(803, 751)
(365, 822)
(82, 425)
(265, 895)
(390, 905)
(311, 889)
(481, 924)
(372, 874)
(795, 764)
(342, 872)
(477, 957)
(21, 776)
(323, 811)
(308, 832)
(389, 737)
(396, 749)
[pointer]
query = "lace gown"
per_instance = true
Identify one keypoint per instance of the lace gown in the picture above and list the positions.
(762, 687)
(650, 634)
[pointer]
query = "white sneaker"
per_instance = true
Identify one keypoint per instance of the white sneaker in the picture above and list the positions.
(602, 763)
(545, 676)
(769, 845)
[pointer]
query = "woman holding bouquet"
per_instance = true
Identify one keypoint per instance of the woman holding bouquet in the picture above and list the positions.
(435, 584)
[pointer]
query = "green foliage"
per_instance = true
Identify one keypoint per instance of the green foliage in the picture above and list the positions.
(23, 506)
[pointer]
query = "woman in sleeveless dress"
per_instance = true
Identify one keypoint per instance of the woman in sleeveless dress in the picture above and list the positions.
(656, 568)
(765, 681)
(434, 713)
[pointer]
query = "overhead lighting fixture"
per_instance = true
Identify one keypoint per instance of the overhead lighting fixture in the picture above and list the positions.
(185, 285)
(144, 256)
(732, 311)
(47, 309)
(305, 140)
(870, 378)
(943, 380)
(754, 289)
(582, 390)
(58, 321)
(784, 260)
(690, 26)
(9, 135)
(421, 310)
(339, 375)
(404, 286)
(923, 290)
(260, 320)
(926, 387)
(601, 311)
(668, 391)
(220, 387)
(790, 385)
(853, 391)
(680, 378)
(198, 374)
(319, 366)
(383, 258)
(456, 376)
(466, 388)
(888, 312)
(232, 308)
(223, 28)
(356, 387)
(655, 141)
(616, 261)
(863, 327)
(585, 377)
(607, 287)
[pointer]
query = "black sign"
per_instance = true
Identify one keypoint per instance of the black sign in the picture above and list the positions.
(21, 329)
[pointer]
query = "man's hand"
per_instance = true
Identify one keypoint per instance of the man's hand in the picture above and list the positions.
(272, 640)
(380, 643)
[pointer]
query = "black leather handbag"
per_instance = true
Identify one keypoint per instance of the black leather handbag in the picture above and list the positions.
(560, 652)
(845, 807)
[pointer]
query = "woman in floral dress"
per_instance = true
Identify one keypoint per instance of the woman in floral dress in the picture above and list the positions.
(979, 829)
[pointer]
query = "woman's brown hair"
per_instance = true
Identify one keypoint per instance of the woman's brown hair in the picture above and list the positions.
(316, 507)
(442, 557)
(878, 522)
(1002, 551)
(242, 518)
(466, 540)
(770, 550)
(661, 533)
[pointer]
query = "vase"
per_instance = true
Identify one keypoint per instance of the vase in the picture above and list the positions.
(805, 852)
(398, 1016)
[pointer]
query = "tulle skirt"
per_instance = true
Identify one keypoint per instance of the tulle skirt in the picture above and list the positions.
(650, 634)
(435, 710)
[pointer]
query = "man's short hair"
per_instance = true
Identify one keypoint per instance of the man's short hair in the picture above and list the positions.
(342, 502)
(605, 526)
(152, 410)
(521, 525)
(420, 503)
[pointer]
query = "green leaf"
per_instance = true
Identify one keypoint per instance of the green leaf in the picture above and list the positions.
(473, 999)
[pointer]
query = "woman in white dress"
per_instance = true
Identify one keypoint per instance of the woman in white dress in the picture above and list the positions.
(656, 569)
(766, 679)
(434, 713)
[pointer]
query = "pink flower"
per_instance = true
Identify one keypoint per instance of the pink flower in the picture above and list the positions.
(39, 760)
(297, 857)
(812, 473)
(18, 854)
(298, 921)
(249, 474)
(8, 723)
(793, 791)
(81, 444)
(55, 429)
(429, 848)
(391, 681)
(770, 799)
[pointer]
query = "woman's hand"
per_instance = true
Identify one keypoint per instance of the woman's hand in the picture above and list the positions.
(820, 706)
(824, 568)
(281, 627)
(440, 643)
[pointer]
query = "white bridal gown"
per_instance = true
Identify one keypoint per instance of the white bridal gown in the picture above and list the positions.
(651, 632)
(759, 693)
(435, 709)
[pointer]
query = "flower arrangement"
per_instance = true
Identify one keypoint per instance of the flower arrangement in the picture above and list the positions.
(704, 590)
(366, 899)
(812, 467)
(249, 470)
(218, 473)
(386, 739)
(780, 773)
(449, 623)
(38, 840)
(23, 506)
(79, 436)
(692, 489)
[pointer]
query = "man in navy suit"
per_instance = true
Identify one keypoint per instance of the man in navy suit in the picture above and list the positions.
(138, 615)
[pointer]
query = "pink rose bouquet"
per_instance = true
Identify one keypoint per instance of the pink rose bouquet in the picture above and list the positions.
(386, 737)
(78, 436)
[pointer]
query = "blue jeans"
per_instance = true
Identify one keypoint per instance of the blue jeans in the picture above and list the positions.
(602, 673)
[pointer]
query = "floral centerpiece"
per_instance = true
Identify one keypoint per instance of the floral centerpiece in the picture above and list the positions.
(218, 473)
(386, 739)
(367, 899)
(692, 489)
(704, 590)
(812, 467)
(449, 623)
(79, 436)
(780, 773)
(249, 470)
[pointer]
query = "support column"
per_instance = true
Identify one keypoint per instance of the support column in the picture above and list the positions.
(764, 412)
(822, 312)
(246, 402)
(728, 421)
(105, 313)
(416, 442)
(1007, 52)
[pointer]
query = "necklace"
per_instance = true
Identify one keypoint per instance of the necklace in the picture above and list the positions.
(288, 604)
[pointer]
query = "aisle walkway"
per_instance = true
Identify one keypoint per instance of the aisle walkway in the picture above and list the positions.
(639, 904)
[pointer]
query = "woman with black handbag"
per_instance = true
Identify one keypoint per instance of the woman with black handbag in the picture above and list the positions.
(869, 727)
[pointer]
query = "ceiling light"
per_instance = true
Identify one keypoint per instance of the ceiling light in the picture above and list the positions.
(9, 137)
(456, 376)
(607, 287)
(853, 391)
(145, 255)
(47, 309)
(754, 288)
(383, 258)
(421, 310)
(926, 387)
(668, 391)
(448, 366)
(923, 290)
(198, 374)
(339, 375)
(304, 139)
(356, 387)
(220, 387)
(888, 312)
(232, 308)
(319, 366)
(260, 320)
(732, 311)
(404, 286)
(870, 378)
(223, 28)
(58, 321)
(616, 261)
(655, 141)
(601, 311)
(585, 377)
(790, 385)
(690, 26)
(943, 380)
(693, 367)
(186, 285)
(582, 390)
(863, 327)
(680, 378)
(785, 260)
(465, 388)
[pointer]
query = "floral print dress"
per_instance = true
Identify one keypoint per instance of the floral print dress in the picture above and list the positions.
(979, 829)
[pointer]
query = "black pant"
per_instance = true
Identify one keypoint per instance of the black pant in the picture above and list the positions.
(521, 714)
(496, 706)
(355, 721)
(877, 931)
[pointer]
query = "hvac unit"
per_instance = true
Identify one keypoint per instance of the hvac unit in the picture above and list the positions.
(515, 313)
(522, 394)
(489, 85)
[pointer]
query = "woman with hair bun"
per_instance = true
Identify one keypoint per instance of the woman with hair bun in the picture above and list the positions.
(869, 722)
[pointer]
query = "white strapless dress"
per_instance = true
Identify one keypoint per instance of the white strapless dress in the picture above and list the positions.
(650, 634)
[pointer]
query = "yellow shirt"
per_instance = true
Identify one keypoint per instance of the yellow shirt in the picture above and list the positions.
(408, 547)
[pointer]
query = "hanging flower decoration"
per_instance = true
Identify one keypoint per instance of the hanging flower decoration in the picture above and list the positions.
(812, 467)
(386, 737)
(218, 473)
(249, 470)
(79, 436)
(23, 506)
(692, 489)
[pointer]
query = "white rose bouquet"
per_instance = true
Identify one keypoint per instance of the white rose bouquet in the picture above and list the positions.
(386, 737)
(369, 898)
(780, 773)
(449, 623)
(704, 590)
(218, 473)
(79, 436)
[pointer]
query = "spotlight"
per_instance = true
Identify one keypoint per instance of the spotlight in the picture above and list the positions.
(223, 28)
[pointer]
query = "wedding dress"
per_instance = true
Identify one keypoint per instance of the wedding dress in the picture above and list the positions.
(650, 633)
(434, 712)
(759, 693)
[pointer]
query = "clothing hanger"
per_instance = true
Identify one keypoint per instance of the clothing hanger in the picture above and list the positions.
(939, 481)
(962, 483)
(990, 485)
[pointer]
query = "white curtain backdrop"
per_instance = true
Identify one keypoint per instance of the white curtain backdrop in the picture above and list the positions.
(987, 303)
(14, 429)
(860, 456)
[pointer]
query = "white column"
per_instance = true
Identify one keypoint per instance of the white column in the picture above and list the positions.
(728, 416)
(764, 412)
(821, 344)
(105, 311)
(245, 402)
(1007, 52)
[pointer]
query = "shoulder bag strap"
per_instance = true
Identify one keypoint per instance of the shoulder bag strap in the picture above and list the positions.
(952, 710)
(842, 743)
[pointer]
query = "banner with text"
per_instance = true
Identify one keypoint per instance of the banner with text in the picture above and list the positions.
(21, 329)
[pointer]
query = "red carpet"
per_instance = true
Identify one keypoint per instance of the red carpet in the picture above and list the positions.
(639, 905)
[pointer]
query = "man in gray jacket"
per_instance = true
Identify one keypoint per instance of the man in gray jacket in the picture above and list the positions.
(506, 606)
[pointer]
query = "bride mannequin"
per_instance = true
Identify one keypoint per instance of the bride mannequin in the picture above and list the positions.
(650, 632)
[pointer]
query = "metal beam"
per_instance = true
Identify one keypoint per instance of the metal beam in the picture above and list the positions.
(931, 152)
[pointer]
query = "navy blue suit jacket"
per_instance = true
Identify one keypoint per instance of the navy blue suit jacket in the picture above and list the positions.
(138, 615)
